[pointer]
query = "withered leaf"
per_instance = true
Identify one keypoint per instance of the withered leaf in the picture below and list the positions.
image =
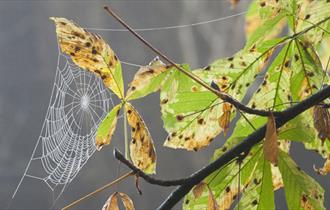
(198, 189)
(211, 201)
(142, 149)
(111, 203)
(127, 201)
(321, 117)
(270, 144)
(89, 51)
(326, 168)
(224, 120)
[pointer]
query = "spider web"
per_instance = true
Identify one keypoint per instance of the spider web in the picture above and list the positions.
(78, 103)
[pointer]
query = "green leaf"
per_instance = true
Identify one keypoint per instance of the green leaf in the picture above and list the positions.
(275, 89)
(147, 80)
(107, 128)
(297, 130)
(310, 13)
(263, 31)
(259, 194)
(301, 191)
(189, 111)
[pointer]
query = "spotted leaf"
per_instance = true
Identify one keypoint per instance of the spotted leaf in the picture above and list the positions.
(107, 128)
(301, 191)
(142, 149)
(147, 80)
(89, 51)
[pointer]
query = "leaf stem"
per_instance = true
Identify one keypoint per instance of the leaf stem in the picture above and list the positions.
(99, 190)
(125, 137)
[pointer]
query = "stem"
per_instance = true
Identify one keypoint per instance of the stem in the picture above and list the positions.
(98, 190)
(224, 96)
(126, 138)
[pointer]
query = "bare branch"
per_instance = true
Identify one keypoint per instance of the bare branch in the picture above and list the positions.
(147, 178)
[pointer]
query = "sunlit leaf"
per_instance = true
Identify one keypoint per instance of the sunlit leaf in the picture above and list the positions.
(259, 193)
(270, 145)
(107, 128)
(142, 149)
(310, 13)
(301, 191)
(147, 80)
(192, 115)
(91, 52)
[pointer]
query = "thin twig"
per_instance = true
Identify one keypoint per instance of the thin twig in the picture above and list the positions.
(166, 183)
(98, 190)
(222, 95)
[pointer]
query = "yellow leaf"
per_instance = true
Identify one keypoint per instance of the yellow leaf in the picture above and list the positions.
(147, 79)
(224, 120)
(111, 203)
(142, 149)
(127, 201)
(89, 51)
(321, 119)
(270, 144)
(198, 189)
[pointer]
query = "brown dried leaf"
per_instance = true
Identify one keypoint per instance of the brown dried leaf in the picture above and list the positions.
(127, 201)
(198, 189)
(234, 3)
(142, 149)
(270, 144)
(321, 118)
(212, 203)
(111, 203)
(224, 120)
(326, 168)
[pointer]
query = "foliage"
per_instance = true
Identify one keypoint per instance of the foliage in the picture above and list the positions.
(193, 116)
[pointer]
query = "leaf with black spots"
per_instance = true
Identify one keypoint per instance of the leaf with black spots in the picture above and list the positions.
(147, 79)
(301, 190)
(142, 149)
(89, 51)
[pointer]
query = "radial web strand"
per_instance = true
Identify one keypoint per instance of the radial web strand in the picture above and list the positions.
(78, 103)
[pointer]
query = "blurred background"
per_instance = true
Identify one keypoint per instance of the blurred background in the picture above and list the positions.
(28, 61)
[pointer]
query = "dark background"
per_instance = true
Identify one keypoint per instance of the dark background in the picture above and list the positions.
(28, 58)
